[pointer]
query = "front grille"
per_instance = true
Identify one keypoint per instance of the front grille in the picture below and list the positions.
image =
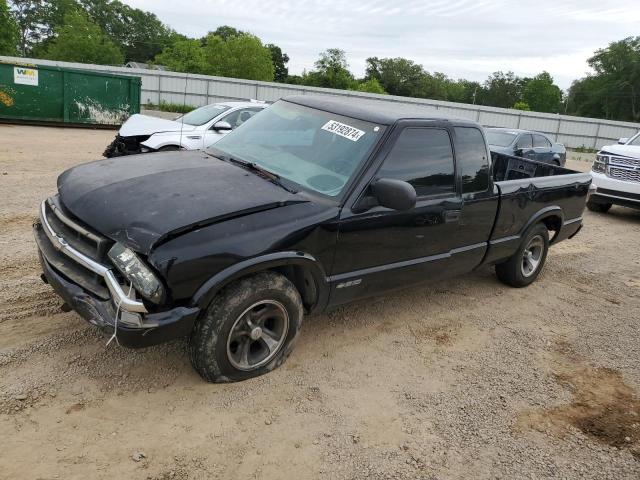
(81, 238)
(624, 174)
(624, 161)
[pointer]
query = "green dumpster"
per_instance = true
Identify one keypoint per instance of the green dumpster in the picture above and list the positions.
(43, 94)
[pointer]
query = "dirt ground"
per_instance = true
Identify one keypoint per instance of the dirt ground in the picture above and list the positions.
(463, 379)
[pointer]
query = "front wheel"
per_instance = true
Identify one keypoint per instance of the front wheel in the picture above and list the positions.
(248, 330)
(526, 264)
(598, 207)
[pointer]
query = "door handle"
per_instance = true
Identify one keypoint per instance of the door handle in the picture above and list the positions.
(451, 216)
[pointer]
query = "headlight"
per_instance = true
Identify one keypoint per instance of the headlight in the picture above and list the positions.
(600, 165)
(143, 279)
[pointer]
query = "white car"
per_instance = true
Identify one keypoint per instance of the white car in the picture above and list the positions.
(616, 176)
(195, 130)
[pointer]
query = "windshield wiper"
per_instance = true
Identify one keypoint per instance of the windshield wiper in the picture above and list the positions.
(272, 177)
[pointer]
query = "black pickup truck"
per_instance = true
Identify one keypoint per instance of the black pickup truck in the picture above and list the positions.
(314, 203)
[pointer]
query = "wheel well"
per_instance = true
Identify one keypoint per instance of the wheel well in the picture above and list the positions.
(303, 280)
(553, 223)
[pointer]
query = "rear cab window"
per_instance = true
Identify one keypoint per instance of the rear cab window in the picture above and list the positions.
(423, 157)
(472, 159)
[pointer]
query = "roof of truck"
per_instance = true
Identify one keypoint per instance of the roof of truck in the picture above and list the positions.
(384, 112)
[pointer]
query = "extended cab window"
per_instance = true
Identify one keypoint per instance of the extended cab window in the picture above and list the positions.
(471, 158)
(424, 158)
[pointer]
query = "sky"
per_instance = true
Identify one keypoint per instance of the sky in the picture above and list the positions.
(460, 38)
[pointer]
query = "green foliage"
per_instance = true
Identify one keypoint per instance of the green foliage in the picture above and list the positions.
(502, 90)
(613, 91)
(279, 60)
(241, 56)
(170, 107)
(81, 40)
(139, 34)
(370, 86)
(398, 76)
(583, 149)
(331, 71)
(184, 56)
(542, 95)
(9, 32)
(522, 106)
(226, 32)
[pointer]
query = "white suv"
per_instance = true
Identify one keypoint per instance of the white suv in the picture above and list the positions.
(195, 130)
(616, 176)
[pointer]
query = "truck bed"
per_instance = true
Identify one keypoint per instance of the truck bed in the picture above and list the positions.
(529, 190)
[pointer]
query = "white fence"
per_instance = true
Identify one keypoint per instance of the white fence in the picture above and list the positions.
(161, 86)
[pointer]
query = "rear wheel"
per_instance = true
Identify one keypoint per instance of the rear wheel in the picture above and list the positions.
(526, 264)
(248, 330)
(598, 207)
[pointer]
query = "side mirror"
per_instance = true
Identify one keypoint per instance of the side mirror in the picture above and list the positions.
(623, 141)
(221, 126)
(394, 194)
(518, 152)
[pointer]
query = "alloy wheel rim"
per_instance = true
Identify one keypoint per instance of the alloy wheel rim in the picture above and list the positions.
(257, 335)
(532, 256)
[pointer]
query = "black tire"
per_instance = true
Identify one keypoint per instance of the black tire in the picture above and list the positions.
(211, 346)
(598, 207)
(516, 271)
(169, 148)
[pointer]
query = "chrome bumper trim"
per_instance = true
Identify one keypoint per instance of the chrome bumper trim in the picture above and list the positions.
(118, 296)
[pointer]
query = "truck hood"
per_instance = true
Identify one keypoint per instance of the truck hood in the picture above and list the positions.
(140, 200)
(144, 125)
(623, 150)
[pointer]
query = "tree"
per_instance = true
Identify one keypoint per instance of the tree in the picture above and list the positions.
(241, 56)
(139, 34)
(398, 76)
(279, 60)
(184, 56)
(81, 40)
(464, 91)
(618, 67)
(226, 32)
(331, 71)
(370, 86)
(9, 32)
(542, 95)
(32, 19)
(522, 106)
(502, 90)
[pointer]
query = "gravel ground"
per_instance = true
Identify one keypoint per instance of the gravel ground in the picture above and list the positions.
(463, 379)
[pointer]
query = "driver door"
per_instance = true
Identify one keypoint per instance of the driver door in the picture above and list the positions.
(381, 249)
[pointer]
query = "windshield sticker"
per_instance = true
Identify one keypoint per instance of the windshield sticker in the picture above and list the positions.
(343, 130)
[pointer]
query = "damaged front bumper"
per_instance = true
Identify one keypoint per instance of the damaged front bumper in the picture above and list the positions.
(122, 146)
(92, 289)
(159, 327)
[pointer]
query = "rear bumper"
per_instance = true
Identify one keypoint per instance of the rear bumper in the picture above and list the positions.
(157, 327)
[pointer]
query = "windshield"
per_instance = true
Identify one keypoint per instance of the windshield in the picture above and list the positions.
(500, 139)
(202, 115)
(635, 141)
(315, 149)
